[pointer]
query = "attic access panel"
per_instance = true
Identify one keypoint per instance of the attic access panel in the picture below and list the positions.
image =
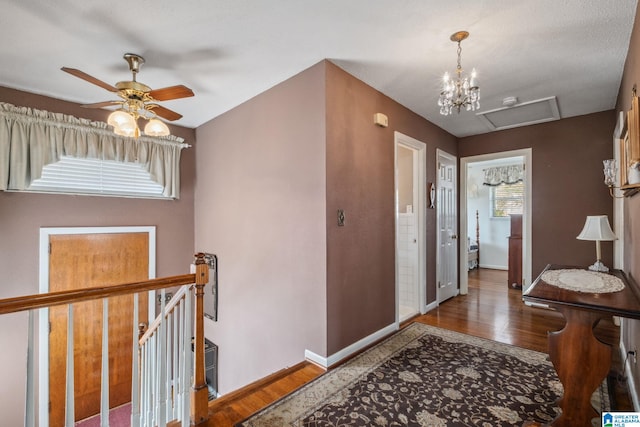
(524, 114)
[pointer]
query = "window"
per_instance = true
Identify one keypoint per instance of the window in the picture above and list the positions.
(506, 199)
(97, 177)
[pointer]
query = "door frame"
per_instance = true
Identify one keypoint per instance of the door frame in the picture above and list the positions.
(527, 154)
(618, 202)
(441, 153)
(419, 190)
(43, 313)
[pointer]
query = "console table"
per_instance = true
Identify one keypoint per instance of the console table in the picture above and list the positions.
(580, 359)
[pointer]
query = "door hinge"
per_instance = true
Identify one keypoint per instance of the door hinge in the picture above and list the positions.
(49, 248)
(49, 327)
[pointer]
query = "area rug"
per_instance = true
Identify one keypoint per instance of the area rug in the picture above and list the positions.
(425, 376)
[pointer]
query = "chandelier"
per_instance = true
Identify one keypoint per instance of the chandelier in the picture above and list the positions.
(462, 91)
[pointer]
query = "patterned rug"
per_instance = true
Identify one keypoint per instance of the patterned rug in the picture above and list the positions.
(426, 376)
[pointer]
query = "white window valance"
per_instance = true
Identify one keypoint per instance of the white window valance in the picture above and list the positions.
(30, 139)
(503, 175)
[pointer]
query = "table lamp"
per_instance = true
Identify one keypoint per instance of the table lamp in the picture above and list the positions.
(597, 228)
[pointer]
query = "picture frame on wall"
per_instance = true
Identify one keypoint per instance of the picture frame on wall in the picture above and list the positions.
(630, 147)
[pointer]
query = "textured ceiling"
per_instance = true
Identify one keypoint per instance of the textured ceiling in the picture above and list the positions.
(229, 51)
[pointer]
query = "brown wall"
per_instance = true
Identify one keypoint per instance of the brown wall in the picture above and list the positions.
(22, 215)
(631, 77)
(360, 180)
(567, 182)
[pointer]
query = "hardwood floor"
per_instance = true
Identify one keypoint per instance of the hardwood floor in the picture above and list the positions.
(491, 310)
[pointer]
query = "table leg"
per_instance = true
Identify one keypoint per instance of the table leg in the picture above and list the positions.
(581, 361)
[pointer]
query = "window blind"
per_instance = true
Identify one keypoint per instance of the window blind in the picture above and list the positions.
(98, 177)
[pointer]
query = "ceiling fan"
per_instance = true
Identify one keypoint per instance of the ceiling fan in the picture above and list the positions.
(137, 100)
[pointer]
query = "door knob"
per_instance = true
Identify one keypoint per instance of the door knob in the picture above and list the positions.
(454, 237)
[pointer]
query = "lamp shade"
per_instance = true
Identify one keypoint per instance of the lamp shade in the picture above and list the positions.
(597, 228)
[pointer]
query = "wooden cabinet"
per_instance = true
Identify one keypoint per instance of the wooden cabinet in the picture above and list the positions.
(514, 277)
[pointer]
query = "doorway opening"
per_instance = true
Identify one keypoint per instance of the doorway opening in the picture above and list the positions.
(410, 216)
(482, 227)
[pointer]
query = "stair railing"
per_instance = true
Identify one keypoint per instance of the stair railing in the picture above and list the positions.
(164, 388)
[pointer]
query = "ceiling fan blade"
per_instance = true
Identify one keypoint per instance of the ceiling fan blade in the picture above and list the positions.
(102, 104)
(84, 76)
(172, 92)
(163, 112)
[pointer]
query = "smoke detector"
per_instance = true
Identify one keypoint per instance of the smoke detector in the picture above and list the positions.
(510, 101)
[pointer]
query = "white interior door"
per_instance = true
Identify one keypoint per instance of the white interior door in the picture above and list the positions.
(447, 225)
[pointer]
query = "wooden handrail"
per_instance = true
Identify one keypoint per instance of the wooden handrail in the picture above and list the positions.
(167, 309)
(29, 302)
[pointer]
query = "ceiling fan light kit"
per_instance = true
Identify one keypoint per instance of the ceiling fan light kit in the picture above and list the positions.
(137, 101)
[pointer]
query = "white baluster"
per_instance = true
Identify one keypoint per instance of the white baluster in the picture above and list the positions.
(146, 389)
(104, 386)
(174, 368)
(167, 368)
(188, 358)
(143, 385)
(153, 378)
(29, 419)
(135, 368)
(162, 363)
(70, 393)
(179, 360)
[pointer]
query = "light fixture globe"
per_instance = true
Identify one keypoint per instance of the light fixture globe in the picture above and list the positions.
(156, 127)
(121, 119)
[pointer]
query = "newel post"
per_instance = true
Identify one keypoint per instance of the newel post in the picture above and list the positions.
(199, 390)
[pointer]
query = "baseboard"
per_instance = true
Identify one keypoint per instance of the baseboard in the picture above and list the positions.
(631, 383)
(494, 267)
(431, 306)
(326, 362)
(242, 392)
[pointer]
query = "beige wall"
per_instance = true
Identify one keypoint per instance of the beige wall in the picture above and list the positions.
(22, 215)
(567, 182)
(631, 77)
(260, 206)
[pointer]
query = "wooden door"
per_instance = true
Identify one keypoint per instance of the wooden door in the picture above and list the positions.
(447, 223)
(86, 260)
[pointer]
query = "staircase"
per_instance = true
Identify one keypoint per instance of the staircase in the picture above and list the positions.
(168, 371)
